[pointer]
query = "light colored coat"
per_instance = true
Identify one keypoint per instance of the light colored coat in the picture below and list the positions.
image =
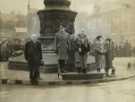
(109, 54)
(62, 45)
(99, 49)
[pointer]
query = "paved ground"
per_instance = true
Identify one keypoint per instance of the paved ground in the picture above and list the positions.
(120, 64)
(24, 75)
(120, 91)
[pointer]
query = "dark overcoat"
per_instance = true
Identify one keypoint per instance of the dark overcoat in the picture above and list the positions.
(109, 54)
(33, 52)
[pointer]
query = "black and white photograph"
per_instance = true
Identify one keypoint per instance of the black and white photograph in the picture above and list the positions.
(67, 50)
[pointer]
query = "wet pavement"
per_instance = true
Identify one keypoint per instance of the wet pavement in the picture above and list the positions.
(119, 63)
(119, 91)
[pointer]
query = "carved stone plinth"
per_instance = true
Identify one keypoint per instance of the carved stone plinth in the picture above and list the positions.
(82, 76)
(56, 13)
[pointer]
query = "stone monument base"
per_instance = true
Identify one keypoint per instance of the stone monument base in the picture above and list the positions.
(83, 76)
(50, 63)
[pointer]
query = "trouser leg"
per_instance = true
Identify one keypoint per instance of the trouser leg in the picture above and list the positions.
(83, 63)
(38, 74)
(34, 74)
(98, 66)
(113, 71)
(31, 74)
(107, 71)
(79, 69)
(62, 65)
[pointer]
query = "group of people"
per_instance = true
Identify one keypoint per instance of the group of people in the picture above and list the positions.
(103, 52)
(68, 47)
(80, 47)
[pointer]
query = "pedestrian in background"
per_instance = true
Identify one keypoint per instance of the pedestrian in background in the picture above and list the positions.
(5, 50)
(33, 55)
(99, 50)
(109, 46)
(62, 48)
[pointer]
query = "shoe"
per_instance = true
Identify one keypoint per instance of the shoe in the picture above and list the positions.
(79, 70)
(34, 82)
(107, 74)
(98, 70)
(62, 71)
(40, 78)
(113, 72)
(84, 71)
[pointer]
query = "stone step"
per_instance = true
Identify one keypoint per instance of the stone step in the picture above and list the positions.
(83, 76)
(47, 68)
(23, 66)
(50, 61)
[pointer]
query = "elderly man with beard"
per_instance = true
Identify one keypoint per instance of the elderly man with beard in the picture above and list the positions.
(33, 55)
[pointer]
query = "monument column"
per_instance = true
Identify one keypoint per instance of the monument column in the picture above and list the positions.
(56, 13)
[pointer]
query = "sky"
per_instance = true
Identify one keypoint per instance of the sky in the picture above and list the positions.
(87, 6)
(20, 6)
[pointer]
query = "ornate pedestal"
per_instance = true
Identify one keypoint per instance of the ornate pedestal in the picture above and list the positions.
(56, 13)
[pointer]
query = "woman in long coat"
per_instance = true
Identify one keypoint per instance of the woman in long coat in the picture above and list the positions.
(62, 47)
(99, 49)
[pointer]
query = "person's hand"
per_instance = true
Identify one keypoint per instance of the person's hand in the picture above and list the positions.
(56, 51)
(80, 49)
(42, 62)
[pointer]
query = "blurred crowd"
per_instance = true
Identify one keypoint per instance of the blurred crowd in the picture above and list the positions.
(10, 48)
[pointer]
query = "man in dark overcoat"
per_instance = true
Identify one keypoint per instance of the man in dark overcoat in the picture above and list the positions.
(33, 55)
